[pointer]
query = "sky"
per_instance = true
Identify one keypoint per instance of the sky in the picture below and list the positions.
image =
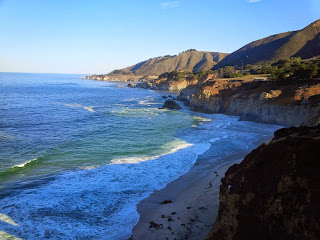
(98, 36)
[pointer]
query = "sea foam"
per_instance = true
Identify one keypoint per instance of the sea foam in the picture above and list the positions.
(24, 164)
(73, 205)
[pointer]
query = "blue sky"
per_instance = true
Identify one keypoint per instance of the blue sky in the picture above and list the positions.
(74, 36)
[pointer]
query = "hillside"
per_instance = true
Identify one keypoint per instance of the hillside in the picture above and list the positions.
(189, 61)
(304, 43)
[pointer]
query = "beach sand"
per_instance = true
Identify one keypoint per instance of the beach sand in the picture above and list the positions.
(193, 201)
(194, 207)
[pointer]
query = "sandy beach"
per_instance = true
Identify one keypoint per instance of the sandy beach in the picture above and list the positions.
(187, 207)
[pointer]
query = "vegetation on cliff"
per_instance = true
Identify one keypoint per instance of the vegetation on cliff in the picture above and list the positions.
(295, 69)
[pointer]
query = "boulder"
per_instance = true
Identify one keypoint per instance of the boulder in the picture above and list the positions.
(131, 85)
(171, 104)
(145, 85)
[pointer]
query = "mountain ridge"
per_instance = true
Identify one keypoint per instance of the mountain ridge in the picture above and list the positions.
(189, 61)
(304, 43)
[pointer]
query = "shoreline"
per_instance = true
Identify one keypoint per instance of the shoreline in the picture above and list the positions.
(193, 202)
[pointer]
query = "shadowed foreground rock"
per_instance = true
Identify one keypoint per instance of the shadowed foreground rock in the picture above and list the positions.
(275, 192)
(171, 104)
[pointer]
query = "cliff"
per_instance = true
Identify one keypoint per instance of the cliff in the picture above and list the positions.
(304, 43)
(274, 193)
(177, 81)
(284, 103)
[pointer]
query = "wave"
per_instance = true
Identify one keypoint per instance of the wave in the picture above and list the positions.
(201, 120)
(147, 102)
(107, 194)
(89, 108)
(16, 169)
(130, 100)
(24, 164)
(76, 105)
(133, 160)
(5, 235)
(135, 112)
(88, 167)
(7, 219)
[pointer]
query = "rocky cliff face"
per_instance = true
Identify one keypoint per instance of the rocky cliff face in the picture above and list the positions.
(286, 103)
(274, 193)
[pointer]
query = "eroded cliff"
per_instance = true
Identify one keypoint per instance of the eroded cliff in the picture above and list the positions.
(283, 103)
(274, 193)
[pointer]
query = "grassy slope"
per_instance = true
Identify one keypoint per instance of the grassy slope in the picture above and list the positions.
(304, 43)
(190, 61)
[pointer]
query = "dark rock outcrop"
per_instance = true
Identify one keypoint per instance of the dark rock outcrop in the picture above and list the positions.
(274, 193)
(171, 104)
(145, 85)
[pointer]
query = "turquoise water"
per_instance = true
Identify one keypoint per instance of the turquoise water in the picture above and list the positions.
(78, 155)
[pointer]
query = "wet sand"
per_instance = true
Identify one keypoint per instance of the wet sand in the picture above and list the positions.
(187, 207)
(194, 207)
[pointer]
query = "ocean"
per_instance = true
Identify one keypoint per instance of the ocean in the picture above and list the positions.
(77, 156)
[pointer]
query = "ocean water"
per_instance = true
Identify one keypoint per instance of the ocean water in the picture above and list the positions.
(77, 156)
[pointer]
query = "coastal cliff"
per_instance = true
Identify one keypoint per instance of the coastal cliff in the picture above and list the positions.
(285, 103)
(274, 192)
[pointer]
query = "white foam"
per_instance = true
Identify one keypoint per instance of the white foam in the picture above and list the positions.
(90, 109)
(147, 102)
(135, 112)
(76, 105)
(88, 167)
(134, 160)
(7, 219)
(100, 203)
(130, 99)
(90, 203)
(202, 119)
(7, 236)
(25, 163)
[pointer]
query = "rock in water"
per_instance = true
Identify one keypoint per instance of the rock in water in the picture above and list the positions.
(171, 104)
(274, 193)
(145, 85)
(131, 85)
